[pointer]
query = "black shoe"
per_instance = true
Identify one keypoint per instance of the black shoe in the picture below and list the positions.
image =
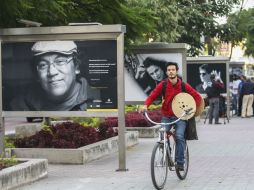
(217, 123)
(180, 167)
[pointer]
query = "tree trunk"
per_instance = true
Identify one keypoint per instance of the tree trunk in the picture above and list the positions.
(208, 41)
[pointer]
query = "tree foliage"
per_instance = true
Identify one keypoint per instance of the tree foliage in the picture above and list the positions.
(246, 29)
(183, 21)
(186, 21)
(45, 11)
(199, 19)
(61, 12)
(239, 29)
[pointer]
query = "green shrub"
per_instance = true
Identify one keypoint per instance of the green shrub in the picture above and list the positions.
(7, 162)
(130, 108)
(8, 142)
(47, 128)
(90, 122)
(155, 107)
(133, 108)
(86, 121)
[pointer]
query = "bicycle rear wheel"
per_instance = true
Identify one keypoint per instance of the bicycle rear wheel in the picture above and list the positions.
(182, 174)
(159, 168)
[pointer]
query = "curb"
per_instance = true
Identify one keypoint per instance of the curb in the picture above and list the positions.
(28, 171)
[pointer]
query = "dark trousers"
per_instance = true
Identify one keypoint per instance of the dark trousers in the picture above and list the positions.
(240, 101)
(214, 106)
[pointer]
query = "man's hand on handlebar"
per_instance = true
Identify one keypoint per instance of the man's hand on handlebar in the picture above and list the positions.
(142, 109)
(188, 111)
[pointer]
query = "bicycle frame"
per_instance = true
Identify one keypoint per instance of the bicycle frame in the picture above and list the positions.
(167, 143)
(161, 161)
(166, 137)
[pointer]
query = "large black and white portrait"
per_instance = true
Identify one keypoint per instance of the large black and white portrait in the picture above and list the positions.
(199, 75)
(59, 75)
(144, 71)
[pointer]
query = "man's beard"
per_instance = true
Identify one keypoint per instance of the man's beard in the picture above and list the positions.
(172, 76)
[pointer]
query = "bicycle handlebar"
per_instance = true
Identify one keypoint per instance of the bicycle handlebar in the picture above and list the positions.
(186, 112)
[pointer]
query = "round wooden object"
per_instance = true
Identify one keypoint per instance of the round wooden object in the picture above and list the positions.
(182, 102)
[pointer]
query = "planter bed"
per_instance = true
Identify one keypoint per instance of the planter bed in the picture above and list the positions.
(80, 155)
(145, 132)
(26, 171)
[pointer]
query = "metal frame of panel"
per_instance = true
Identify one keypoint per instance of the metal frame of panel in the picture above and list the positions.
(93, 32)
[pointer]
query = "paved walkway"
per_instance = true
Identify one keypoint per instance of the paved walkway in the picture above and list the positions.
(222, 159)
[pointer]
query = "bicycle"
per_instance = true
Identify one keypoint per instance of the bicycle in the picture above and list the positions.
(163, 154)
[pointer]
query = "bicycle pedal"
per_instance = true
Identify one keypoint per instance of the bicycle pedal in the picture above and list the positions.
(171, 168)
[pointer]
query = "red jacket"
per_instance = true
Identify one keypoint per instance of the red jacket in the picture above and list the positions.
(170, 92)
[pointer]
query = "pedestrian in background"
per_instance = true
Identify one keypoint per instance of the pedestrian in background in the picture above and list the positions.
(235, 93)
(213, 93)
(247, 91)
(240, 99)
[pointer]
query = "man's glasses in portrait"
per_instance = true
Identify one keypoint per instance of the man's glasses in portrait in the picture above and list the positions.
(58, 63)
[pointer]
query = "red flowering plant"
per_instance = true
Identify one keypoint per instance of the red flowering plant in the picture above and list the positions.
(42, 139)
(134, 119)
(106, 130)
(65, 135)
(75, 135)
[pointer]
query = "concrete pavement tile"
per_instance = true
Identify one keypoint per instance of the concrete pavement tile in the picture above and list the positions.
(221, 159)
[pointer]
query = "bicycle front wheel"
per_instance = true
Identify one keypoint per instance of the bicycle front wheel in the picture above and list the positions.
(159, 166)
(181, 174)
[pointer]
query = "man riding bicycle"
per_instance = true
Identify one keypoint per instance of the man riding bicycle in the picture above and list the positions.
(173, 87)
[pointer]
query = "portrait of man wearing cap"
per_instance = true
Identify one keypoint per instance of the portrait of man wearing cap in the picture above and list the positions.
(60, 86)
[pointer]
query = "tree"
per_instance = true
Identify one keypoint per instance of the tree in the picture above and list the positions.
(45, 11)
(166, 13)
(186, 21)
(246, 29)
(62, 12)
(239, 29)
(138, 21)
(199, 20)
(183, 21)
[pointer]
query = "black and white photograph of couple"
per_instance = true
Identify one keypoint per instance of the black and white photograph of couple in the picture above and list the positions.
(144, 71)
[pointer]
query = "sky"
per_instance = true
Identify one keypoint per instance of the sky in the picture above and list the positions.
(248, 4)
